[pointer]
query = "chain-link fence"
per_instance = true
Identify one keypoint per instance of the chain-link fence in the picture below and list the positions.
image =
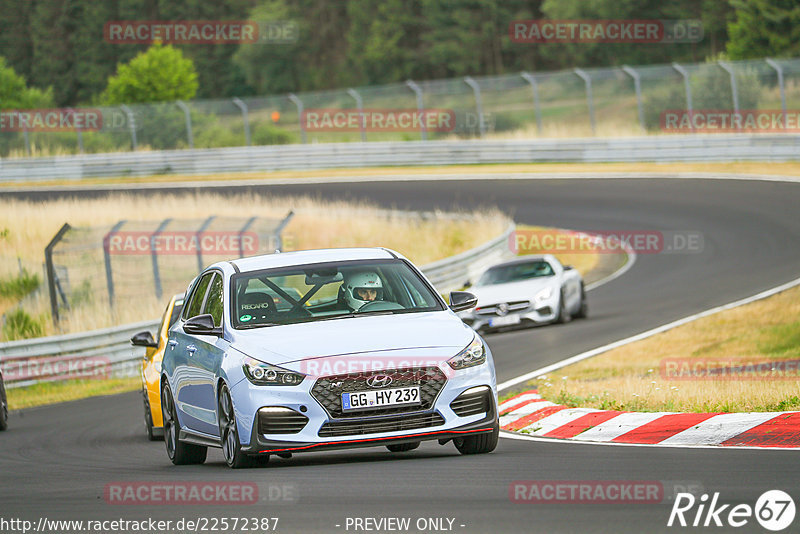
(578, 102)
(123, 268)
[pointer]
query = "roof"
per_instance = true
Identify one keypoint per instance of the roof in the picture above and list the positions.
(525, 259)
(303, 257)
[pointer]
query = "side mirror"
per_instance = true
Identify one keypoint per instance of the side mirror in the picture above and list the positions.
(144, 339)
(461, 300)
(203, 325)
(467, 284)
(568, 267)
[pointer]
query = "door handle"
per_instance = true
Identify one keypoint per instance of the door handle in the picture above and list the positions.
(191, 349)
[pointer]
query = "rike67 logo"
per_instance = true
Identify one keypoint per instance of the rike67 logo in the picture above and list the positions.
(774, 510)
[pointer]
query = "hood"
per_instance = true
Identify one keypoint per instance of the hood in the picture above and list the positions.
(523, 290)
(380, 336)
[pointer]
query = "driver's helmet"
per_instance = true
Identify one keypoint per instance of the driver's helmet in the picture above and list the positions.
(359, 287)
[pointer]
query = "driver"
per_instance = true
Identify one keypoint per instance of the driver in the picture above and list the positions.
(362, 287)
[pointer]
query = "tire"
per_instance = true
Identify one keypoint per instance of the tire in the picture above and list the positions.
(3, 406)
(583, 311)
(480, 444)
(229, 435)
(563, 313)
(152, 435)
(180, 453)
(403, 447)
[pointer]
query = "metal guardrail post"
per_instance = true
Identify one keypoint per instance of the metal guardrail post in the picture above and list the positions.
(51, 270)
(688, 88)
(188, 117)
(734, 89)
(299, 103)
(775, 65)
(637, 85)
(27, 139)
(79, 134)
(420, 107)
(245, 228)
(199, 234)
(478, 103)
(154, 257)
(245, 119)
(131, 126)
(537, 108)
(360, 106)
(589, 99)
(279, 231)
(107, 261)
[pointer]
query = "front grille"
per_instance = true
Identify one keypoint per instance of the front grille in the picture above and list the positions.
(472, 402)
(375, 425)
(515, 306)
(328, 390)
(280, 421)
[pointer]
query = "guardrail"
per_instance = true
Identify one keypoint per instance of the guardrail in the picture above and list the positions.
(108, 352)
(663, 148)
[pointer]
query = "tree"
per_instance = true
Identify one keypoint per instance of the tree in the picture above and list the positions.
(15, 94)
(764, 28)
(161, 74)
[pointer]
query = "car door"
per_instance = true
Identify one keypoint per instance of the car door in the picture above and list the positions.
(179, 361)
(206, 358)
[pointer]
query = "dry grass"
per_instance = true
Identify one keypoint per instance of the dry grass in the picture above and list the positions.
(790, 168)
(317, 224)
(634, 377)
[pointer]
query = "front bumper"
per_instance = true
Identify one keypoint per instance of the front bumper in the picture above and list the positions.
(538, 313)
(326, 429)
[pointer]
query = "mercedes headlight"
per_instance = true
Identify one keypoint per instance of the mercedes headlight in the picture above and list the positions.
(544, 294)
(474, 354)
(264, 374)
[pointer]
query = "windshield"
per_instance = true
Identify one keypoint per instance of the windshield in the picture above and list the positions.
(328, 291)
(515, 272)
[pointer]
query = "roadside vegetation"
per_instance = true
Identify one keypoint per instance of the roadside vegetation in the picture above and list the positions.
(741, 360)
(54, 392)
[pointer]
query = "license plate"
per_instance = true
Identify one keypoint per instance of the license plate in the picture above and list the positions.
(380, 398)
(504, 321)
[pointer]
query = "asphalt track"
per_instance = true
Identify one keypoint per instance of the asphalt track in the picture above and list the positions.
(56, 461)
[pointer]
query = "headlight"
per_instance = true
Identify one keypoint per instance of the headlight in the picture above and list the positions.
(544, 294)
(264, 374)
(474, 354)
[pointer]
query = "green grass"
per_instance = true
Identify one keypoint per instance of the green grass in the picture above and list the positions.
(19, 287)
(55, 392)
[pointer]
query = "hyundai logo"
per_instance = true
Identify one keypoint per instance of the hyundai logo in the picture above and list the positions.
(379, 381)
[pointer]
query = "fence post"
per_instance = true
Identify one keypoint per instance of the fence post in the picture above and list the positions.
(775, 65)
(536, 107)
(199, 234)
(131, 125)
(478, 103)
(299, 103)
(79, 134)
(154, 258)
(589, 99)
(688, 88)
(279, 230)
(245, 119)
(245, 228)
(107, 261)
(420, 107)
(188, 116)
(27, 138)
(51, 270)
(637, 85)
(734, 89)
(360, 106)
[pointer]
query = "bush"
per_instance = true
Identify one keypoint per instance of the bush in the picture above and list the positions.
(19, 325)
(18, 287)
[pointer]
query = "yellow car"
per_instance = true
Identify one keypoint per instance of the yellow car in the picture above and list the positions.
(151, 367)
